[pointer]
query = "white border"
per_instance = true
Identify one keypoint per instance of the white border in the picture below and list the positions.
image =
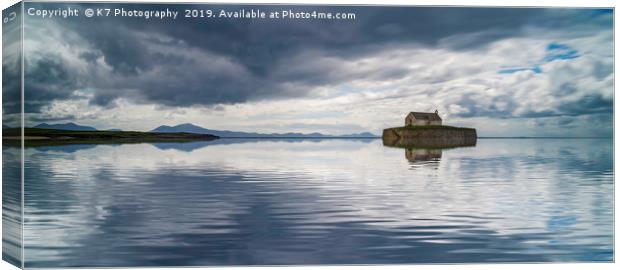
(506, 3)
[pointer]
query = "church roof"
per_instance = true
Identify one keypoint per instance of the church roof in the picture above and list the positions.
(426, 116)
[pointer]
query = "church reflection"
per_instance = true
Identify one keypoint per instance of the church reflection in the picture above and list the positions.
(425, 151)
(415, 155)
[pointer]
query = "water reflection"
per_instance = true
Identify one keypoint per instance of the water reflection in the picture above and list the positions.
(191, 146)
(421, 154)
(427, 149)
(11, 205)
(318, 202)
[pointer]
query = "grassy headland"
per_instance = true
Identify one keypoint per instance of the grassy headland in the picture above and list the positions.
(40, 136)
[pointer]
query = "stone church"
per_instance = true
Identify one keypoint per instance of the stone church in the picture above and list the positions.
(422, 119)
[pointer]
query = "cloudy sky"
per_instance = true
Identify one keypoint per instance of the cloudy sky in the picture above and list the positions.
(504, 71)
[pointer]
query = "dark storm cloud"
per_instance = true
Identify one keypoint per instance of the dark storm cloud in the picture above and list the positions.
(587, 104)
(11, 88)
(222, 61)
(47, 79)
(11, 65)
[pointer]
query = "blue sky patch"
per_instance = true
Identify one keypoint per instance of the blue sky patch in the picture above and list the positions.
(510, 70)
(558, 51)
(554, 51)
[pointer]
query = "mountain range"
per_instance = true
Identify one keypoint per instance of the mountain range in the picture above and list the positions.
(65, 126)
(191, 128)
(240, 134)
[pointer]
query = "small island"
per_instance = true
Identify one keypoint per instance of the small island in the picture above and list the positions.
(424, 129)
(42, 136)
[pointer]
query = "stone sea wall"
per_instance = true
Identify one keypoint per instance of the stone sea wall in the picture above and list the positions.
(439, 137)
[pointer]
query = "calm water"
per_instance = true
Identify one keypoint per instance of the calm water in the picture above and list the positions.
(234, 202)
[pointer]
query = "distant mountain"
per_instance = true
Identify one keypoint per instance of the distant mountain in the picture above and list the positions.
(5, 127)
(182, 128)
(65, 126)
(190, 128)
(361, 135)
(114, 129)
